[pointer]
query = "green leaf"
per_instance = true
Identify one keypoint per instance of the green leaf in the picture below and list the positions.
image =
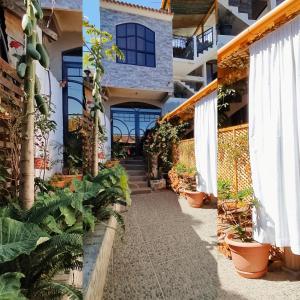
(69, 214)
(10, 286)
(52, 290)
(18, 238)
(51, 223)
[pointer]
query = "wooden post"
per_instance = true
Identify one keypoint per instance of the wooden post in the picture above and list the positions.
(235, 166)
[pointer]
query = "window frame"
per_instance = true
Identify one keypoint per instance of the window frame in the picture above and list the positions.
(146, 40)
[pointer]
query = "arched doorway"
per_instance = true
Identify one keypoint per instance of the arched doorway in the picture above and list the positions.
(129, 123)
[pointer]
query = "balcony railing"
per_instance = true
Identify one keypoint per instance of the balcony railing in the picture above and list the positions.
(183, 47)
(205, 40)
(191, 47)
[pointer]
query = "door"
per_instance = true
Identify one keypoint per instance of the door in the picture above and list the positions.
(129, 125)
(73, 105)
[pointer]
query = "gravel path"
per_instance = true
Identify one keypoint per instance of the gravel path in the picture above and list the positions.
(168, 251)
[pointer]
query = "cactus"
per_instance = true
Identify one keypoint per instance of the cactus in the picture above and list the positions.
(26, 68)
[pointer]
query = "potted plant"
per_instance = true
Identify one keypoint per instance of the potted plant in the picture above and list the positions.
(250, 258)
(194, 197)
(57, 181)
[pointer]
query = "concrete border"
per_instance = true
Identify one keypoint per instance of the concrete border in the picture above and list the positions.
(97, 279)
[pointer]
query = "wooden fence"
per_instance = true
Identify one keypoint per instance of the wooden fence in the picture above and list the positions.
(11, 94)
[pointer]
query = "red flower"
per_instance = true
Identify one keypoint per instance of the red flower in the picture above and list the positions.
(15, 44)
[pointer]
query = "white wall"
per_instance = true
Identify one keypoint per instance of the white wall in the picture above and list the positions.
(56, 138)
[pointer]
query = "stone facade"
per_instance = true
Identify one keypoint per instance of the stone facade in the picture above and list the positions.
(119, 75)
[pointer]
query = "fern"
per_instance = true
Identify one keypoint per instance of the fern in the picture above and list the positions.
(54, 290)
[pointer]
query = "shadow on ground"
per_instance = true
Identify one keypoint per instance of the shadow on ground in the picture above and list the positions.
(168, 251)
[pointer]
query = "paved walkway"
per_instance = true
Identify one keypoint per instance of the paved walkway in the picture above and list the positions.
(169, 252)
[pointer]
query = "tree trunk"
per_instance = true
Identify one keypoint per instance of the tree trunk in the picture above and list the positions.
(27, 147)
(95, 168)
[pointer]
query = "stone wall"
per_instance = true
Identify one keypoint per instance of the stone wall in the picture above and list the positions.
(159, 78)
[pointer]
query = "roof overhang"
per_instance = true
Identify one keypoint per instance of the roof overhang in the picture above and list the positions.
(233, 58)
(136, 94)
(188, 13)
(137, 9)
(189, 105)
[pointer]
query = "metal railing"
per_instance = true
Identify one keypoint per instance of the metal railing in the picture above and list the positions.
(205, 40)
(183, 47)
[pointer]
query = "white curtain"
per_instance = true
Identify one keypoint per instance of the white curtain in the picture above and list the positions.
(274, 135)
(205, 132)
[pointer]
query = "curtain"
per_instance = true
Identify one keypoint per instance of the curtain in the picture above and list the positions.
(274, 135)
(205, 132)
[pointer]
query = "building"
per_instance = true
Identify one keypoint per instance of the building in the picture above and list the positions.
(194, 47)
(170, 55)
(234, 17)
(136, 88)
(62, 83)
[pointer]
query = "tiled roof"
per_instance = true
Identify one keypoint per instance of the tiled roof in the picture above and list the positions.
(162, 11)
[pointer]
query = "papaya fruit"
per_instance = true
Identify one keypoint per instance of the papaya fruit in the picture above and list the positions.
(37, 85)
(21, 59)
(27, 25)
(31, 50)
(44, 60)
(38, 12)
(41, 104)
(21, 69)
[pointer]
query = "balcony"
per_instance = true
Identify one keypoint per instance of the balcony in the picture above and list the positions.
(191, 47)
(183, 47)
(205, 41)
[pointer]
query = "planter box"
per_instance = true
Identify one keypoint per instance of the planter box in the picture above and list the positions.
(158, 184)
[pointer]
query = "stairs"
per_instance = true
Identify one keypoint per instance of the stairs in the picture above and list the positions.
(247, 11)
(136, 171)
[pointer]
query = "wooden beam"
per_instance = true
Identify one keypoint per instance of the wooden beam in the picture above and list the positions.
(276, 17)
(205, 18)
(191, 101)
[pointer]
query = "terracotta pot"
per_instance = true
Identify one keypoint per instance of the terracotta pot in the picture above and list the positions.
(58, 184)
(41, 163)
(250, 259)
(68, 179)
(195, 199)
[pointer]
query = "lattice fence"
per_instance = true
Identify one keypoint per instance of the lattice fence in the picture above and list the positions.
(233, 157)
(185, 153)
(234, 167)
(11, 94)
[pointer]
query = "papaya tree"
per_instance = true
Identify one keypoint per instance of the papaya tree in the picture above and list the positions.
(26, 69)
(100, 46)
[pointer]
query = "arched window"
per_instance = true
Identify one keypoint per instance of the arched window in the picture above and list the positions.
(137, 42)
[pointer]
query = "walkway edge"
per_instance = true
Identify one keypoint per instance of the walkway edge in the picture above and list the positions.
(96, 283)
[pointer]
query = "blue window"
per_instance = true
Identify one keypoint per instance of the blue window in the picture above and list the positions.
(137, 42)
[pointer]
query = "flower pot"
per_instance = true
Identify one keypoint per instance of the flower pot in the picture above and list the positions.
(68, 179)
(250, 259)
(195, 199)
(58, 184)
(41, 163)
